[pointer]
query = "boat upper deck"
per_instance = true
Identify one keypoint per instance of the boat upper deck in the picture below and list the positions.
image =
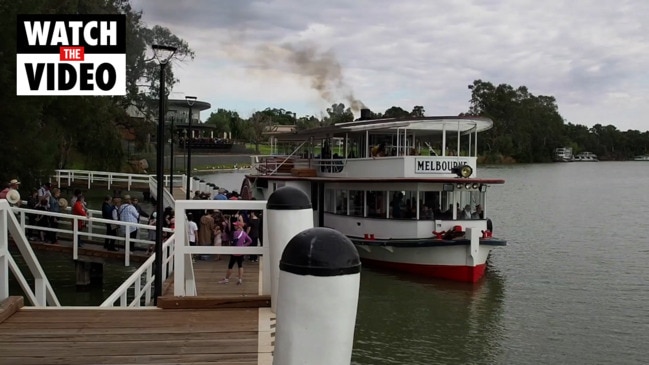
(413, 148)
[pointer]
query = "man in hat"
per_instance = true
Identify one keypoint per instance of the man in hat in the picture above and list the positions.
(13, 185)
(221, 195)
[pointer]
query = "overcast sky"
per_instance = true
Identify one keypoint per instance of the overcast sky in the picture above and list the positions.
(592, 56)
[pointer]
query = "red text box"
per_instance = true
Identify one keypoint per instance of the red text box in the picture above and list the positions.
(71, 54)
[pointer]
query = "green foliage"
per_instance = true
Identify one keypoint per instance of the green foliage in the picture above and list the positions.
(223, 120)
(338, 114)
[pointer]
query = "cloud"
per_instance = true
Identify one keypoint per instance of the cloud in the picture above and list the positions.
(283, 53)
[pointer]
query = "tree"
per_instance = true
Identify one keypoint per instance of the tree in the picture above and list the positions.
(338, 114)
(396, 112)
(526, 127)
(257, 127)
(418, 112)
(223, 120)
(307, 122)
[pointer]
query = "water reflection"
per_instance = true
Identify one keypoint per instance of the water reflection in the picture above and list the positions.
(404, 319)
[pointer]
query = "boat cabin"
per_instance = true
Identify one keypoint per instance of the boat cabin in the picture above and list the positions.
(378, 170)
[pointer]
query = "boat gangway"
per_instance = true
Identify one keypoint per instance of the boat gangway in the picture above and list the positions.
(196, 320)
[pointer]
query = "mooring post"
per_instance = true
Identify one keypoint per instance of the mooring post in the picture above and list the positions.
(319, 281)
(289, 213)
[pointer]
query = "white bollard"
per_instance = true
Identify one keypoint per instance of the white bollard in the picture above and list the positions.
(288, 213)
(318, 299)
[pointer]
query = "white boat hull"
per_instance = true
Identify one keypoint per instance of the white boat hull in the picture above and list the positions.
(447, 261)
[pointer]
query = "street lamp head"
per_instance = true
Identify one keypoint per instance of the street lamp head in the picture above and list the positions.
(163, 53)
(190, 100)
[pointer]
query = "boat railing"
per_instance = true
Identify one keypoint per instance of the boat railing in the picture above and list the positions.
(95, 229)
(330, 165)
(137, 290)
(42, 294)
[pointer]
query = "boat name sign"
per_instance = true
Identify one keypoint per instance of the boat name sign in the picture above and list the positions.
(437, 165)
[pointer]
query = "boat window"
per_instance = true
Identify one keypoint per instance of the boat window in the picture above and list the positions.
(341, 202)
(376, 204)
(357, 203)
(429, 205)
(403, 204)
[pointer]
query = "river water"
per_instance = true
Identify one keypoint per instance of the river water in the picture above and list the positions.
(571, 286)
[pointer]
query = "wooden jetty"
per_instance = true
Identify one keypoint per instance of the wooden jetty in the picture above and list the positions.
(224, 324)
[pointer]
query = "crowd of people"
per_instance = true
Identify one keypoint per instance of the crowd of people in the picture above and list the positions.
(206, 227)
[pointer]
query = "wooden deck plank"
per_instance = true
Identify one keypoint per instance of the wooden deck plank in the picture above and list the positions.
(208, 273)
(113, 336)
(222, 359)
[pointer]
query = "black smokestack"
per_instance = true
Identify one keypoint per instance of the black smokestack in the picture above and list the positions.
(365, 114)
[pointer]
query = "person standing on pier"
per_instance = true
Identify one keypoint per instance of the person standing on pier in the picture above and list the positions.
(240, 239)
(107, 209)
(13, 185)
(45, 192)
(55, 206)
(128, 213)
(141, 212)
(205, 231)
(253, 231)
(79, 208)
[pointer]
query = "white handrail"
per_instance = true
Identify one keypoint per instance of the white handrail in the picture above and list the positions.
(43, 293)
(72, 221)
(140, 283)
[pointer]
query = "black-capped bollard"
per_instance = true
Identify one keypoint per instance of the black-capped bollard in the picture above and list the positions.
(319, 282)
(289, 213)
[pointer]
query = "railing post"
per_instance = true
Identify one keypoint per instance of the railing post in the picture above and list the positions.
(127, 246)
(90, 222)
(75, 238)
(4, 251)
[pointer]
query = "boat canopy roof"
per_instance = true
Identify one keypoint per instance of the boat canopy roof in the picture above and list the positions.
(422, 125)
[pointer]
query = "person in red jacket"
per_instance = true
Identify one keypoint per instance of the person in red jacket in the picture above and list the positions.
(79, 208)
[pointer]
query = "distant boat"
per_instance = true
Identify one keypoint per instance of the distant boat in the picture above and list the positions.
(586, 157)
(641, 158)
(563, 154)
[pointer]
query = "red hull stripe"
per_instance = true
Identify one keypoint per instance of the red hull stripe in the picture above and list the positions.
(469, 274)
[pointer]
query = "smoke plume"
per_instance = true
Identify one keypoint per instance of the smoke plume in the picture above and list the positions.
(321, 68)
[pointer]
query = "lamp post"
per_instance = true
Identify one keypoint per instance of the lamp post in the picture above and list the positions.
(163, 54)
(190, 101)
(172, 113)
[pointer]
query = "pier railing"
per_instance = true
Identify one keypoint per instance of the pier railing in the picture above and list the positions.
(95, 229)
(112, 178)
(138, 289)
(184, 284)
(42, 294)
